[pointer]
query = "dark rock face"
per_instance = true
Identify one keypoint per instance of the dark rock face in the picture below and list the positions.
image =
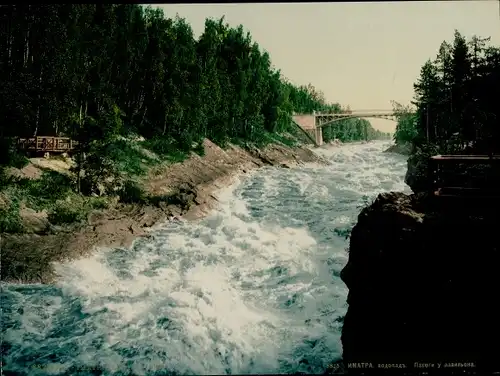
(418, 173)
(186, 196)
(423, 279)
(404, 149)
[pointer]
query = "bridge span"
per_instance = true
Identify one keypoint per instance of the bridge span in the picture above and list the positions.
(313, 123)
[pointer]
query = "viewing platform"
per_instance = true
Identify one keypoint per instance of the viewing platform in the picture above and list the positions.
(466, 176)
(47, 144)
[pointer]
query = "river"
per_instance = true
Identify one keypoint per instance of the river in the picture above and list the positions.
(252, 288)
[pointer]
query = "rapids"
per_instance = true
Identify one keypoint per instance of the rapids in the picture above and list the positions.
(252, 288)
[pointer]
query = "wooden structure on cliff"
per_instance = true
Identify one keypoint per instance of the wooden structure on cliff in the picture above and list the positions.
(44, 144)
(466, 176)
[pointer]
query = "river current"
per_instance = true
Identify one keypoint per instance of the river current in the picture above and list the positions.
(252, 288)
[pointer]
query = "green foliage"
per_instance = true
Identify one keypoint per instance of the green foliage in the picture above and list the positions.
(268, 138)
(406, 128)
(66, 213)
(124, 158)
(166, 148)
(4, 178)
(454, 101)
(131, 192)
(9, 156)
(281, 138)
(102, 73)
(129, 158)
(95, 72)
(353, 129)
(10, 220)
(74, 209)
(199, 149)
(98, 203)
(52, 192)
(160, 145)
(41, 193)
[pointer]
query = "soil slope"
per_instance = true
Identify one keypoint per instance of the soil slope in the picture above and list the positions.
(182, 190)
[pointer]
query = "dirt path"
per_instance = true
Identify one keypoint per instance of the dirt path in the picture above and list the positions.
(187, 189)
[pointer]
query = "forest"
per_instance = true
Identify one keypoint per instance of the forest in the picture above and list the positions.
(124, 80)
(95, 71)
(455, 109)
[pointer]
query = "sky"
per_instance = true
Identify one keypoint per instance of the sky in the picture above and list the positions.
(361, 54)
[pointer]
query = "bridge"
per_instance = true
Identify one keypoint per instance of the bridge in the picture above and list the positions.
(312, 124)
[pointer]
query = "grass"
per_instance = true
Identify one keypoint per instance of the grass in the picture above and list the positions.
(281, 138)
(129, 158)
(166, 149)
(41, 193)
(54, 192)
(75, 209)
(268, 138)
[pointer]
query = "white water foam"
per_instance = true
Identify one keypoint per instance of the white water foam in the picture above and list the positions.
(252, 288)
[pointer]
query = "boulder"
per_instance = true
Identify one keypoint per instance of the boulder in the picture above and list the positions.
(33, 221)
(403, 149)
(418, 176)
(422, 282)
(185, 196)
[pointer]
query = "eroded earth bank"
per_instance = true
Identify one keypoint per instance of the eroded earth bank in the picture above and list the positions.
(181, 191)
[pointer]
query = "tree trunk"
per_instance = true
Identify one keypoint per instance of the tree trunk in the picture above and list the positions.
(143, 116)
(164, 126)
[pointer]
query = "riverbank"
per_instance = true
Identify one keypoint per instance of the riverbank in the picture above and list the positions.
(177, 191)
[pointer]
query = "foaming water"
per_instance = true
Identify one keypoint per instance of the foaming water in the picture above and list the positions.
(252, 288)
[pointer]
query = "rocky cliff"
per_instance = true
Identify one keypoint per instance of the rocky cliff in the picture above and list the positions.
(423, 278)
(417, 175)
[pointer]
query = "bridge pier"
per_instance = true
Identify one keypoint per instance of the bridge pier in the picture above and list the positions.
(318, 136)
(309, 124)
(318, 131)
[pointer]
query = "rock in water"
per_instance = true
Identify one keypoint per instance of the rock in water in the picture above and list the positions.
(404, 149)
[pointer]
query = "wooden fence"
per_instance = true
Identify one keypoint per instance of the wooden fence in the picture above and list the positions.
(47, 144)
(466, 175)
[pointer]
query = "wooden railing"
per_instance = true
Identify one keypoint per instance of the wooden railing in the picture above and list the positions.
(47, 144)
(466, 175)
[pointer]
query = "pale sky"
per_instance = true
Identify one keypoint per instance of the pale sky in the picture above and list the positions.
(359, 54)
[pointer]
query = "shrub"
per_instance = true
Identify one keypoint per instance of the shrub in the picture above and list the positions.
(9, 155)
(72, 209)
(168, 149)
(10, 220)
(98, 203)
(131, 192)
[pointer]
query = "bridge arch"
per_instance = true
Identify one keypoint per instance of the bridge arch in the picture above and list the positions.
(312, 124)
